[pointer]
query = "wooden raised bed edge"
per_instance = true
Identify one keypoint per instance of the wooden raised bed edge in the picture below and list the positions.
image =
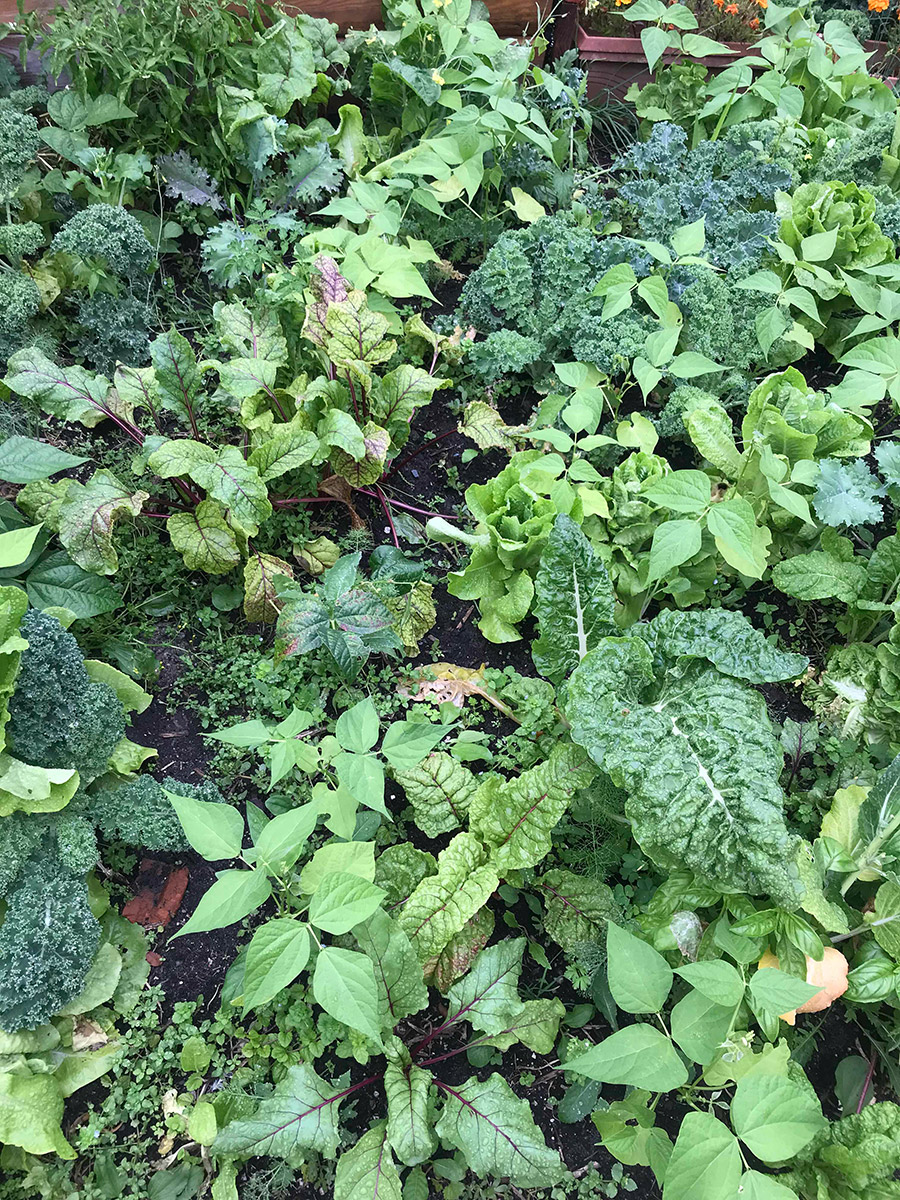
(509, 17)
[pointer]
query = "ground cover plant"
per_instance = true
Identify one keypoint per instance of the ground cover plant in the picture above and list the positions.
(449, 670)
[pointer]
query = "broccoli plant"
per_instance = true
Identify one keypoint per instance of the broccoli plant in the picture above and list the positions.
(354, 415)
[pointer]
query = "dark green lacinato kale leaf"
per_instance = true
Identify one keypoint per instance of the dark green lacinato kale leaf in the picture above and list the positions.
(58, 716)
(695, 751)
(47, 943)
(573, 601)
(140, 813)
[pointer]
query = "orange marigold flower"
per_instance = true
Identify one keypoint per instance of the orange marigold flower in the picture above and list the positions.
(763, 3)
(719, 3)
(732, 10)
(878, 5)
(754, 23)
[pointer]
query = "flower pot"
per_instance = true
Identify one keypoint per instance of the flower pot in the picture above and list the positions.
(614, 63)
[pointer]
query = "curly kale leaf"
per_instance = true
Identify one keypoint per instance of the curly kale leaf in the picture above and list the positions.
(535, 286)
(58, 717)
(114, 329)
(20, 836)
(857, 153)
(20, 300)
(140, 813)
(110, 235)
(847, 494)
(19, 144)
(47, 943)
(186, 179)
(504, 352)
(726, 182)
(18, 241)
(697, 754)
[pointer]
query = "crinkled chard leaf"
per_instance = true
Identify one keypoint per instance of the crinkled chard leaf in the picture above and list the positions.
(573, 601)
(496, 1132)
(696, 752)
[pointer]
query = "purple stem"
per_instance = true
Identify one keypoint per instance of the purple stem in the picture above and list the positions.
(422, 512)
(867, 1084)
(387, 513)
(402, 463)
(305, 500)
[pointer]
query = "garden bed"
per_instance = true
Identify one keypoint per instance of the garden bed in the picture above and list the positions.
(448, 613)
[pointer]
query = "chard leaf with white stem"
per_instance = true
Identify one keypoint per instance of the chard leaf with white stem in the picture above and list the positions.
(573, 601)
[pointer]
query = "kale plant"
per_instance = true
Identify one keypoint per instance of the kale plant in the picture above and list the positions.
(532, 298)
(66, 771)
(59, 717)
(726, 182)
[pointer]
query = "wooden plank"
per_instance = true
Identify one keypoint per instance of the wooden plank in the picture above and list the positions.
(509, 17)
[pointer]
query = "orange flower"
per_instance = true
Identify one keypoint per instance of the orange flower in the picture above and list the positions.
(763, 3)
(754, 24)
(878, 5)
(732, 10)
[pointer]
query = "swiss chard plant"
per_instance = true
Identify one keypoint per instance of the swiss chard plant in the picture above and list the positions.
(215, 495)
(662, 712)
